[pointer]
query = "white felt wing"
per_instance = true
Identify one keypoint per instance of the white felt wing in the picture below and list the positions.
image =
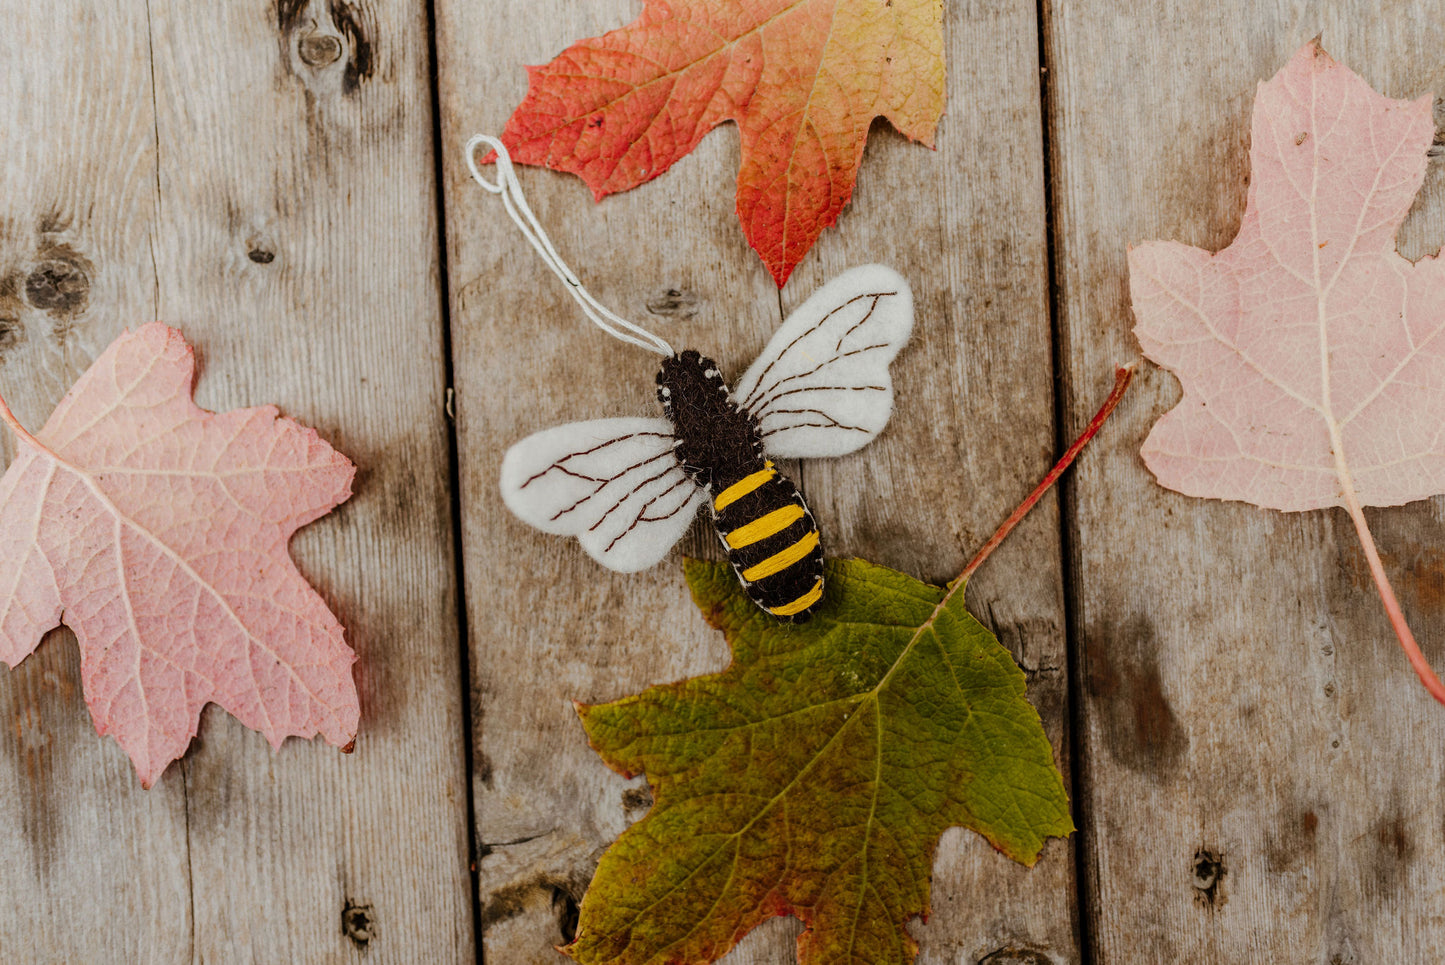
(821, 387)
(615, 484)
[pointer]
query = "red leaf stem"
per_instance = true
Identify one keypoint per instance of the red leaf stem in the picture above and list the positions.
(1392, 606)
(8, 417)
(1122, 376)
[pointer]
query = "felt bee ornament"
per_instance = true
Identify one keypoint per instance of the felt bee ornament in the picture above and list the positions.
(628, 488)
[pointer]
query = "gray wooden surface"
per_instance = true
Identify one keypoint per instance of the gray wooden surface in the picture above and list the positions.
(1254, 767)
(185, 163)
(1260, 769)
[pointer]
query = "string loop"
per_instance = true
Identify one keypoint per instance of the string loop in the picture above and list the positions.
(515, 202)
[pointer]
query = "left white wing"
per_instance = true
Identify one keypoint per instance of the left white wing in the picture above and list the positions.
(615, 484)
(821, 387)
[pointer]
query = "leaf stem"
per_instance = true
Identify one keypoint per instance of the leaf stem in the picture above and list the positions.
(1121, 382)
(8, 417)
(1392, 606)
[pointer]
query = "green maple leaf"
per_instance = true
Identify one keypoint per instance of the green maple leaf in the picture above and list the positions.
(814, 776)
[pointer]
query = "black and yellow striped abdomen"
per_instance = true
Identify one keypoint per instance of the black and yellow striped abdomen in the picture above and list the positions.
(771, 540)
(761, 518)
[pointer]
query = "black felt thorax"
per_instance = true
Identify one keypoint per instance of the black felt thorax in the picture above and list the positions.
(718, 442)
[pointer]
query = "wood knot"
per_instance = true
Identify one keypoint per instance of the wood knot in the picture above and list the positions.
(261, 256)
(676, 303)
(636, 799)
(1014, 955)
(321, 33)
(11, 333)
(318, 49)
(58, 286)
(357, 923)
(568, 913)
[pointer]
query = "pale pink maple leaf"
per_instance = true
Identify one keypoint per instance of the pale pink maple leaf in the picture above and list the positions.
(158, 532)
(1310, 352)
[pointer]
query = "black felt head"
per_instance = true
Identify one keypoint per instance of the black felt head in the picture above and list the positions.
(716, 439)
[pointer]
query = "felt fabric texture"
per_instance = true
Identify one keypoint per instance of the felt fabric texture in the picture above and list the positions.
(615, 484)
(715, 438)
(798, 542)
(777, 555)
(821, 386)
(628, 488)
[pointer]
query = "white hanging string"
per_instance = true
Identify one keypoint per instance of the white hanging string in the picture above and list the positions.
(516, 203)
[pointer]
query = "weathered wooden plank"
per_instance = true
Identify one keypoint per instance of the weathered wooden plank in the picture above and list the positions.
(91, 866)
(547, 625)
(1261, 768)
(973, 432)
(260, 176)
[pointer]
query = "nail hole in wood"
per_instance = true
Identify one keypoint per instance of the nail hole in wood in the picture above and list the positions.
(1208, 872)
(357, 923)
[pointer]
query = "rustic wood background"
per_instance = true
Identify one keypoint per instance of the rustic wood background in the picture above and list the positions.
(1255, 771)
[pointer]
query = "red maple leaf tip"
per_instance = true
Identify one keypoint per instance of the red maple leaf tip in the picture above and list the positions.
(158, 532)
(803, 80)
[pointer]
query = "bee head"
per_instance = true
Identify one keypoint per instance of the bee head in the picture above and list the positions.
(688, 376)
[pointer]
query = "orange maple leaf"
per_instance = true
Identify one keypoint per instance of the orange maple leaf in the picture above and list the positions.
(803, 80)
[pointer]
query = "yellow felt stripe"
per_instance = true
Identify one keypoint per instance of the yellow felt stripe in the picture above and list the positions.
(801, 603)
(765, 526)
(743, 486)
(782, 560)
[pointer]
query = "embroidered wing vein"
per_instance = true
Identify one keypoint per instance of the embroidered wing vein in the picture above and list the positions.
(821, 386)
(615, 484)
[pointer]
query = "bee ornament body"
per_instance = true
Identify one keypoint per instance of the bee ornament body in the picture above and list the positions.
(628, 488)
(765, 526)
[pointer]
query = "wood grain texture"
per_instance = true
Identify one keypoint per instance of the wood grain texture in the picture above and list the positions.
(972, 434)
(91, 866)
(259, 175)
(547, 624)
(1261, 768)
(973, 430)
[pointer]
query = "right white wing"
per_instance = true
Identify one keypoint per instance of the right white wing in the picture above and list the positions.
(615, 484)
(821, 386)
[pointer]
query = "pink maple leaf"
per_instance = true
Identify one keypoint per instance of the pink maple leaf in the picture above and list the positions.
(158, 532)
(1309, 350)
